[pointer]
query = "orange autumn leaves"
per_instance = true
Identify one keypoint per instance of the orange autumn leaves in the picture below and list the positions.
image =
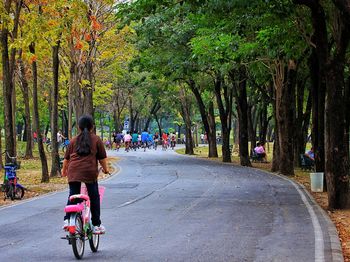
(95, 26)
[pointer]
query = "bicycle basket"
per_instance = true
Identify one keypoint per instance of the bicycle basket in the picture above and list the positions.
(10, 171)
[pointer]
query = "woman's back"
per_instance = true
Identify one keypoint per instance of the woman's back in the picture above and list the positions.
(83, 168)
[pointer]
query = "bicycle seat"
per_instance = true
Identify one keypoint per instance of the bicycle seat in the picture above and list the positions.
(74, 208)
(79, 196)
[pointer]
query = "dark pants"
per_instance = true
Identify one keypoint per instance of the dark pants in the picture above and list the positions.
(92, 188)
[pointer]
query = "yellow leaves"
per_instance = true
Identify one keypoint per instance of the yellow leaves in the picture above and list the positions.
(52, 23)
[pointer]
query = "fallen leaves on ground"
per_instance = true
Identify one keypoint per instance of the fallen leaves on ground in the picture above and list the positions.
(30, 177)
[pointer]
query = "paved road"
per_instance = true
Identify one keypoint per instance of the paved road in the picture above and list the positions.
(167, 207)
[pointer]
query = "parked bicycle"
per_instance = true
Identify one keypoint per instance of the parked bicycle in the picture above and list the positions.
(10, 187)
(80, 227)
(62, 146)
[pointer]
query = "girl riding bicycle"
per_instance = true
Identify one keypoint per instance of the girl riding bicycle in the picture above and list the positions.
(81, 165)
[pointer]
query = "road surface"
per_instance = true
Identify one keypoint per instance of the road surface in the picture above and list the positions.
(166, 207)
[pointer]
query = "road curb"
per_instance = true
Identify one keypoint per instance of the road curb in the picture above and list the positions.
(336, 250)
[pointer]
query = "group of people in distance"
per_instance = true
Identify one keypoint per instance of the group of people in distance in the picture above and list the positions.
(135, 140)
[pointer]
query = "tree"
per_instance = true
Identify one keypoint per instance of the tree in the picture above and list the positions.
(331, 62)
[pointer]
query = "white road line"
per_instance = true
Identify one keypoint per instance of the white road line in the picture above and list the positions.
(319, 241)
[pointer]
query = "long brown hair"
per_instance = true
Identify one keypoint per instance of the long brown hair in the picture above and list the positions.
(85, 123)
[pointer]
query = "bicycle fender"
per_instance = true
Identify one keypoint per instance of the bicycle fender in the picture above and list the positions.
(71, 227)
(20, 186)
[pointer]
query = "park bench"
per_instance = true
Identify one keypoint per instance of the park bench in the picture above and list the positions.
(306, 163)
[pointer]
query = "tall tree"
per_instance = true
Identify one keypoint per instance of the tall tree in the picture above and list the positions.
(25, 91)
(44, 168)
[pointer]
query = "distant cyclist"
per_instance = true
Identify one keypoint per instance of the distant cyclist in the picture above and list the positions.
(173, 140)
(150, 141)
(164, 141)
(118, 140)
(156, 138)
(127, 141)
(144, 139)
(135, 137)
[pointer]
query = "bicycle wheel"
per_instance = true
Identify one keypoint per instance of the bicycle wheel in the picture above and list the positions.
(64, 148)
(49, 148)
(78, 240)
(12, 192)
(19, 192)
(94, 242)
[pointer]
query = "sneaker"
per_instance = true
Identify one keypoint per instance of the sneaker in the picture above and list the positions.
(65, 224)
(99, 230)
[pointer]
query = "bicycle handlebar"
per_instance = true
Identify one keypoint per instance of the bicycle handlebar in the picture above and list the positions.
(100, 169)
(8, 155)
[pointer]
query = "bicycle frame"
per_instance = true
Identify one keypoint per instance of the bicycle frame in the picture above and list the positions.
(10, 186)
(80, 227)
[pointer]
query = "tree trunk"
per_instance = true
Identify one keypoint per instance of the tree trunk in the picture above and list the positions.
(337, 159)
(347, 115)
(70, 96)
(13, 35)
(212, 145)
(276, 151)
(298, 118)
(251, 129)
(27, 118)
(155, 108)
(89, 89)
(44, 168)
(1, 161)
(55, 168)
(302, 123)
(264, 122)
(240, 93)
(225, 110)
(186, 116)
(210, 128)
(285, 97)
(159, 123)
(8, 88)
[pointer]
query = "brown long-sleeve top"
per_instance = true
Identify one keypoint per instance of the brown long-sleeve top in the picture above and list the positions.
(84, 168)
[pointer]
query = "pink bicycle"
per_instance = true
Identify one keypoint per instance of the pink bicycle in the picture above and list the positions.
(80, 226)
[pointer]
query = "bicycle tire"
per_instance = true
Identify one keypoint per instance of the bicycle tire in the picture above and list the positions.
(7, 190)
(19, 194)
(49, 148)
(12, 192)
(94, 242)
(78, 239)
(64, 148)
